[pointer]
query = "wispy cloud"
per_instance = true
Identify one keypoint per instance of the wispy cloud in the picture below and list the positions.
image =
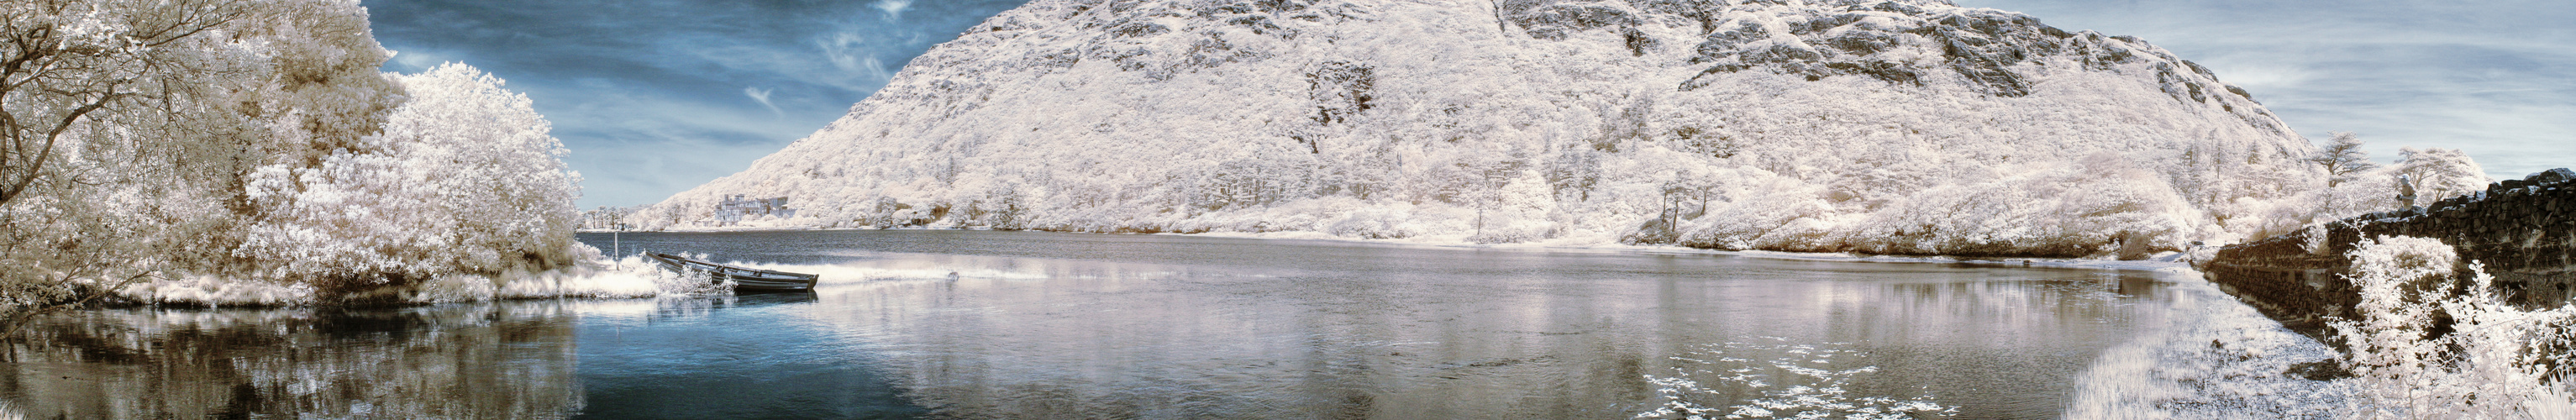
(843, 49)
(2486, 77)
(893, 8)
(875, 69)
(762, 96)
(416, 60)
(855, 57)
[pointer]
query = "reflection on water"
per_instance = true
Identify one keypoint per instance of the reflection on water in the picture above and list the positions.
(1125, 340)
(1042, 325)
(727, 357)
(963, 324)
(453, 361)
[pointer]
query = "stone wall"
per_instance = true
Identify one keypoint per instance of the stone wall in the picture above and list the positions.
(2521, 229)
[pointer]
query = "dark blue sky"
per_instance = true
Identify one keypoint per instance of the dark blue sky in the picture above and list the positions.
(657, 96)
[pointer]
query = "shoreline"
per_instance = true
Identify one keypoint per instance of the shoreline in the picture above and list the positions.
(2169, 262)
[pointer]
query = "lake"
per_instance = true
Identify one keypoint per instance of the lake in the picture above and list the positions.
(985, 324)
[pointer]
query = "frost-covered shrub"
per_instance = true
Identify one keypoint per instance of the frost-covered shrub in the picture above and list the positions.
(1375, 223)
(464, 180)
(2099, 205)
(134, 122)
(1766, 209)
(2489, 366)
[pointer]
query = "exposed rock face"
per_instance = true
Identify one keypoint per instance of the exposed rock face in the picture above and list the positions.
(1867, 126)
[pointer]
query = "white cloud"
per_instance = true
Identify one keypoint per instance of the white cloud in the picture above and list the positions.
(413, 61)
(843, 49)
(893, 8)
(2264, 76)
(876, 69)
(762, 95)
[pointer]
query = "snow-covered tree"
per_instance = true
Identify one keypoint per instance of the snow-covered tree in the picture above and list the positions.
(129, 124)
(255, 141)
(463, 180)
(2438, 173)
(2343, 158)
(605, 217)
(2434, 174)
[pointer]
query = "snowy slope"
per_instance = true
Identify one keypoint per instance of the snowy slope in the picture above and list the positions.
(1909, 126)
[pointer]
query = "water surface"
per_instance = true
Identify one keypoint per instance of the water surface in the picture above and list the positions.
(979, 324)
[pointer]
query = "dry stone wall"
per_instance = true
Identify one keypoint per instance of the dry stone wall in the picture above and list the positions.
(2521, 229)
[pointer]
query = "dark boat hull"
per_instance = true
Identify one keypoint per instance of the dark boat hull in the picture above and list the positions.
(745, 280)
(742, 284)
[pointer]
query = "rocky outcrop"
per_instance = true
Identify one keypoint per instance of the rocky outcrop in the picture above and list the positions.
(2523, 232)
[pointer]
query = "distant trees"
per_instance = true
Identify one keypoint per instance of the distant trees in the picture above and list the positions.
(2357, 186)
(2438, 173)
(605, 217)
(2354, 185)
(2343, 158)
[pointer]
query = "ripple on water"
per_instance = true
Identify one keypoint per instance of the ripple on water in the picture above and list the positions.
(1780, 379)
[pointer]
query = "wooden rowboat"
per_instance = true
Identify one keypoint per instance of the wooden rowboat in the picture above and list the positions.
(744, 279)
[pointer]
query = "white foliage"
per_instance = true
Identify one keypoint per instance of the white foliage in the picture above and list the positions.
(2491, 366)
(1437, 119)
(463, 181)
(2343, 157)
(2368, 191)
(2076, 210)
(2439, 173)
(135, 122)
(250, 152)
(2435, 174)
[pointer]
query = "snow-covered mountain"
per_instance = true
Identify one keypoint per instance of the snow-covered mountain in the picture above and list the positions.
(1908, 126)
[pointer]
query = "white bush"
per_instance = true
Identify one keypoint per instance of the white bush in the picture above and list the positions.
(464, 180)
(2488, 367)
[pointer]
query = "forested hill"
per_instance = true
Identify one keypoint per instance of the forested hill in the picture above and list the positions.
(1911, 126)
